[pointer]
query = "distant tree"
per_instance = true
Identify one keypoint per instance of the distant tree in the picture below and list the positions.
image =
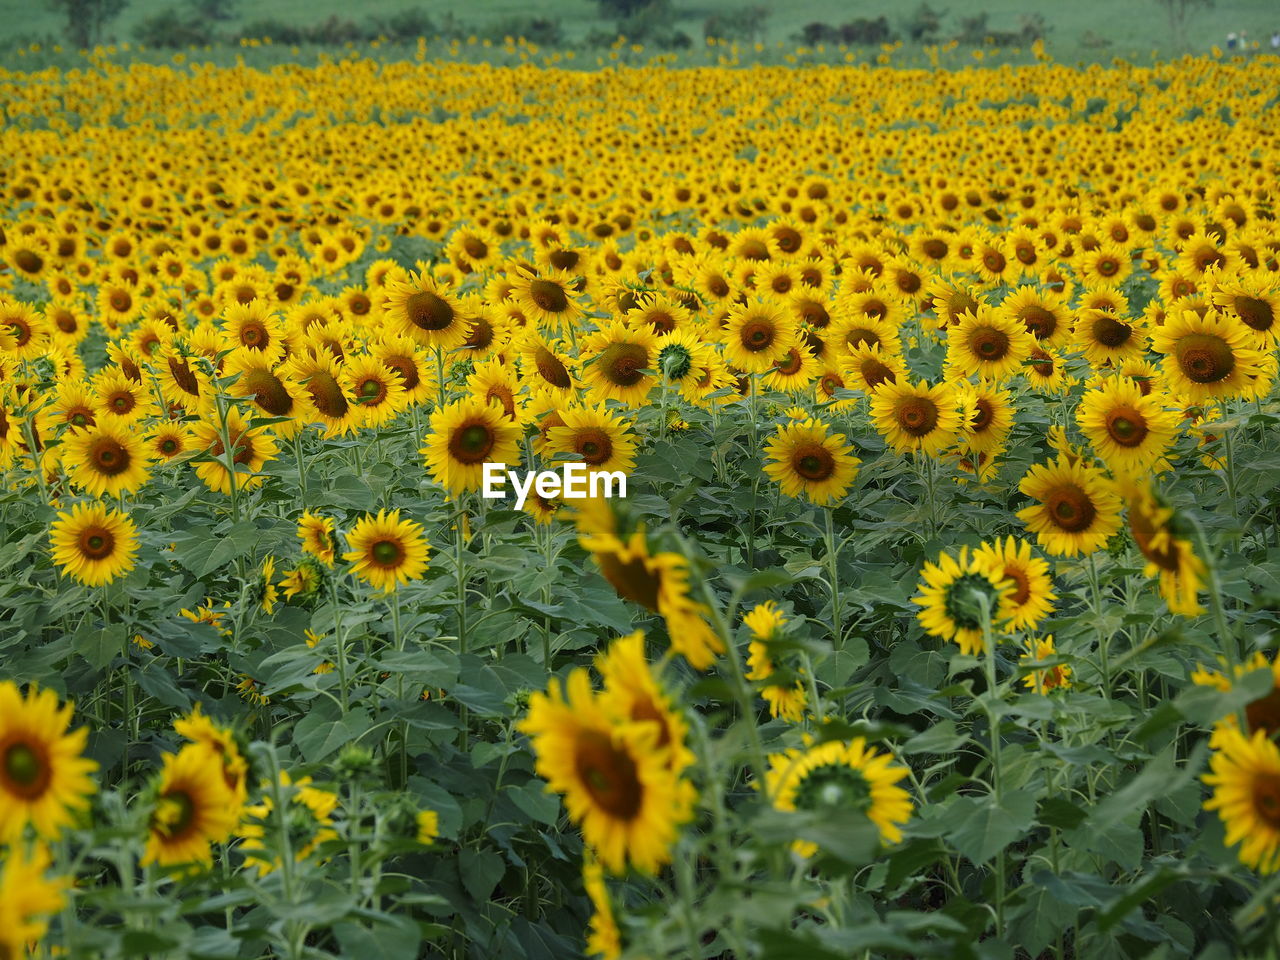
(215, 9)
(621, 9)
(86, 19)
(1179, 13)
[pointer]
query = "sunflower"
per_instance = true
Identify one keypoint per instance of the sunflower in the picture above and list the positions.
(309, 822)
(254, 327)
(1256, 304)
(24, 333)
(427, 311)
(252, 447)
(1032, 597)
(465, 435)
(840, 776)
(427, 823)
(106, 459)
(1130, 432)
(1042, 312)
(807, 459)
(916, 417)
(604, 940)
(27, 899)
(1244, 773)
(600, 439)
(633, 694)
(616, 782)
(681, 358)
(221, 742)
(794, 372)
(494, 381)
(758, 334)
(620, 363)
(44, 779)
(94, 543)
(1105, 339)
(321, 377)
(1208, 357)
(1160, 537)
(118, 396)
(1046, 371)
(406, 359)
(1043, 680)
(273, 393)
(986, 417)
(1078, 508)
(378, 390)
(1107, 264)
(545, 366)
(193, 808)
(950, 597)
(386, 551)
(785, 700)
(865, 367)
(548, 297)
(317, 536)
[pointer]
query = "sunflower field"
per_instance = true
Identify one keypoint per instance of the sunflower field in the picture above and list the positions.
(925, 605)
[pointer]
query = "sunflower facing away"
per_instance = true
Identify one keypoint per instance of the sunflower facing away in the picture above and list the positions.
(807, 459)
(1165, 545)
(44, 779)
(94, 543)
(785, 700)
(950, 598)
(386, 551)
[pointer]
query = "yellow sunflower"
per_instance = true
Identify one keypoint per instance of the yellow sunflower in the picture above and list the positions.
(465, 435)
(427, 311)
(986, 417)
(386, 551)
(634, 694)
(1165, 546)
(620, 363)
(1244, 773)
(193, 808)
(1208, 357)
(807, 459)
(27, 898)
(987, 344)
(378, 390)
(1131, 433)
(106, 459)
(1031, 599)
(94, 543)
(317, 536)
(916, 417)
(602, 440)
(1043, 680)
(758, 334)
(1078, 508)
(950, 601)
(251, 448)
(785, 700)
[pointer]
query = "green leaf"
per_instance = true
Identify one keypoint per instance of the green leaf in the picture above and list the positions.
(941, 738)
(982, 828)
(318, 737)
(481, 870)
(99, 646)
(533, 799)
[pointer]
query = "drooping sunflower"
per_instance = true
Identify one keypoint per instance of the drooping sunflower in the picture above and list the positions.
(840, 776)
(317, 536)
(44, 778)
(1078, 508)
(1244, 773)
(1168, 551)
(808, 459)
(106, 459)
(785, 699)
(252, 448)
(601, 439)
(273, 393)
(427, 311)
(465, 435)
(1031, 599)
(951, 592)
(987, 344)
(758, 334)
(621, 363)
(1207, 357)
(1130, 432)
(386, 551)
(193, 808)
(94, 543)
(616, 782)
(916, 417)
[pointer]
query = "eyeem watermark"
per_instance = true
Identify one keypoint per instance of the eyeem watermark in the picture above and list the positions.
(573, 481)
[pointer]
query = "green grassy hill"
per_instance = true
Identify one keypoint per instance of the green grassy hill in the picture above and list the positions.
(1128, 28)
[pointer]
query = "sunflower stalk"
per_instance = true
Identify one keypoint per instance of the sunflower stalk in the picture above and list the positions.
(833, 576)
(993, 727)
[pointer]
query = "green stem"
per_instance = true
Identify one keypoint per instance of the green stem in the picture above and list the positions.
(833, 572)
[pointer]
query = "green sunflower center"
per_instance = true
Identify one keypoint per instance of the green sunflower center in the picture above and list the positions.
(386, 553)
(834, 786)
(964, 600)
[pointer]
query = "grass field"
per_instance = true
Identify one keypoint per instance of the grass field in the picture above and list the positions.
(1131, 28)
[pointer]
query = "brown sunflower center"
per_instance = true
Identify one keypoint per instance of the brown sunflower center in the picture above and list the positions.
(28, 261)
(548, 296)
(1264, 713)
(874, 373)
(994, 261)
(813, 461)
(1110, 332)
(609, 775)
(471, 443)
(1127, 426)
(790, 364)
(594, 445)
(1204, 358)
(983, 414)
(268, 391)
(1266, 799)
(1021, 585)
(327, 395)
(862, 337)
(621, 363)
(26, 770)
(917, 416)
(476, 248)
(989, 344)
(426, 311)
(934, 249)
(1255, 313)
(405, 369)
(96, 543)
(632, 579)
(175, 815)
(551, 369)
(1040, 322)
(1070, 508)
(754, 250)
(109, 457)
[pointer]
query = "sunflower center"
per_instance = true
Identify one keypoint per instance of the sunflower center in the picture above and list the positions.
(28, 261)
(175, 815)
(1204, 358)
(989, 344)
(1071, 509)
(834, 785)
(1021, 585)
(327, 396)
(26, 771)
(551, 369)
(917, 416)
(96, 543)
(168, 446)
(934, 249)
(1042, 363)
(109, 457)
(1266, 799)
(983, 414)
(1108, 267)
(1110, 332)
(645, 709)
(1127, 426)
(386, 553)
(405, 369)
(631, 579)
(814, 462)
(622, 363)
(1264, 713)
(1040, 323)
(875, 373)
(427, 311)
(254, 335)
(371, 390)
(1255, 313)
(757, 335)
(595, 446)
(609, 774)
(183, 377)
(269, 392)
(790, 364)
(548, 296)
(862, 337)
(471, 443)
(994, 261)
